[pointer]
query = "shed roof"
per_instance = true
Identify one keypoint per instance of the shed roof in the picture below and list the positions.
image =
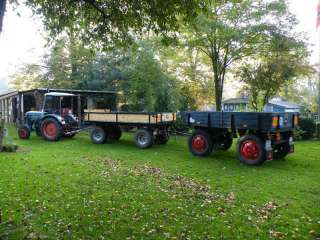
(285, 104)
(11, 93)
(59, 94)
(236, 100)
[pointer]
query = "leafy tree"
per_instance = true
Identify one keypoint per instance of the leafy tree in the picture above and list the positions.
(304, 91)
(148, 87)
(189, 66)
(234, 30)
(284, 61)
(108, 21)
(27, 77)
(106, 72)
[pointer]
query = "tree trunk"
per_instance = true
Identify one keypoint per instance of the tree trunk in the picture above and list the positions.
(218, 85)
(2, 11)
(218, 93)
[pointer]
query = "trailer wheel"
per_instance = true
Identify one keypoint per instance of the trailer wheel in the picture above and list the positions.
(250, 150)
(24, 132)
(98, 135)
(200, 143)
(114, 133)
(225, 143)
(281, 151)
(143, 138)
(162, 138)
(51, 129)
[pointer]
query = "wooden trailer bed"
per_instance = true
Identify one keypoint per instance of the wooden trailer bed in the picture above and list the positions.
(151, 127)
(105, 116)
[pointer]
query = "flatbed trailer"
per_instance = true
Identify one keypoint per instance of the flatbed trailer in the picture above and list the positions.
(262, 136)
(151, 127)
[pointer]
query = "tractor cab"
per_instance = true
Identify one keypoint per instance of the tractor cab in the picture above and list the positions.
(57, 118)
(58, 103)
(61, 104)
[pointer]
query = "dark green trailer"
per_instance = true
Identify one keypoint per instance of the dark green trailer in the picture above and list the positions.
(262, 136)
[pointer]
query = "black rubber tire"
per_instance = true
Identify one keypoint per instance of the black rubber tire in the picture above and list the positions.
(281, 151)
(225, 143)
(143, 138)
(162, 138)
(24, 132)
(98, 135)
(261, 157)
(114, 133)
(59, 130)
(205, 138)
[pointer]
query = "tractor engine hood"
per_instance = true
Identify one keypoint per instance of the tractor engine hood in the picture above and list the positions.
(34, 115)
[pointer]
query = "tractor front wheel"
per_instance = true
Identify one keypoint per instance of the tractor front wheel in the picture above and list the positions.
(51, 129)
(24, 132)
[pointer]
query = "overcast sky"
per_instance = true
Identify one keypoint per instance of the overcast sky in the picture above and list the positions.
(22, 39)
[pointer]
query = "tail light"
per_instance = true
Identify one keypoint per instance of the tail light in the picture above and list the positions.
(296, 120)
(278, 136)
(275, 122)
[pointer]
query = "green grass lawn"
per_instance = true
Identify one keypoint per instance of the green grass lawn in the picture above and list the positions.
(74, 189)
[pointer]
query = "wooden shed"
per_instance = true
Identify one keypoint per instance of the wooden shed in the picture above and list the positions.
(14, 104)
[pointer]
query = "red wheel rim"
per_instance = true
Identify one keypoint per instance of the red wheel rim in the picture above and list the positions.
(199, 143)
(50, 129)
(250, 150)
(23, 133)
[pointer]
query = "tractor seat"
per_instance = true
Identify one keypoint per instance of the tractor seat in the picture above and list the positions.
(66, 112)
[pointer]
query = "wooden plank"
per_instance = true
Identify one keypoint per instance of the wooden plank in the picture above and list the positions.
(136, 118)
(101, 115)
(97, 110)
(96, 117)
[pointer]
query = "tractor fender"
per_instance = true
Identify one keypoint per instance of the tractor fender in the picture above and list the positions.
(57, 117)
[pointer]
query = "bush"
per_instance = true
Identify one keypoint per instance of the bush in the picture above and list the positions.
(318, 131)
(179, 126)
(306, 129)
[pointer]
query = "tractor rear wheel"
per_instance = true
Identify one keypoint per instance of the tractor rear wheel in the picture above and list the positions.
(251, 151)
(51, 129)
(143, 138)
(98, 135)
(200, 143)
(24, 132)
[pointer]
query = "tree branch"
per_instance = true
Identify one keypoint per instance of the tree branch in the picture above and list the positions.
(96, 7)
(2, 11)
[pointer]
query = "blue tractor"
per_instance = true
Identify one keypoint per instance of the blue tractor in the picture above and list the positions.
(55, 120)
